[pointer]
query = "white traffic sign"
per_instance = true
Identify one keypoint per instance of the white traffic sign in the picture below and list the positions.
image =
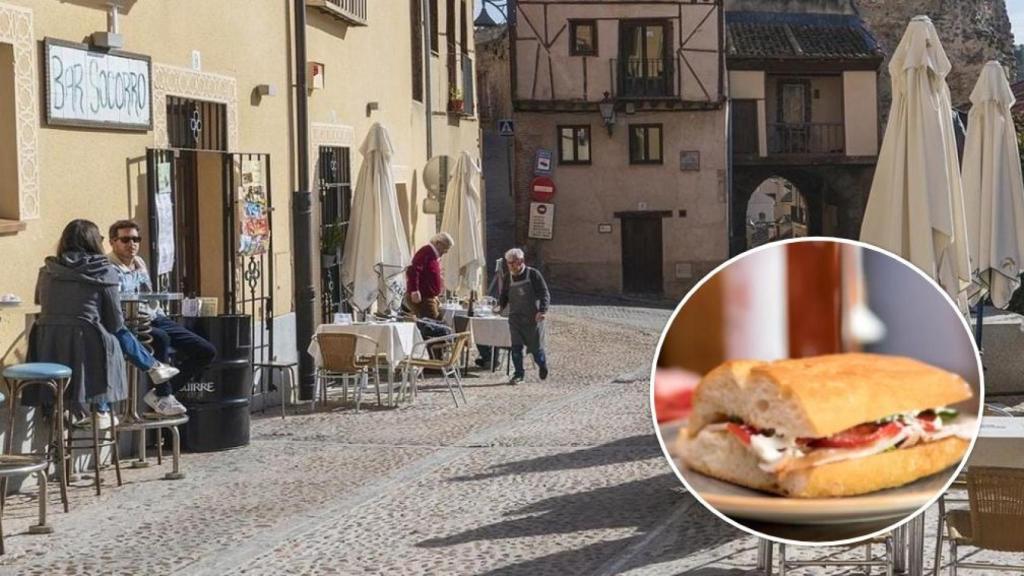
(506, 127)
(542, 220)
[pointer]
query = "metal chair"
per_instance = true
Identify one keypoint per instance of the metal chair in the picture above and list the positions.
(887, 562)
(19, 465)
(52, 377)
(282, 368)
(959, 484)
(994, 520)
(340, 360)
(450, 348)
(764, 556)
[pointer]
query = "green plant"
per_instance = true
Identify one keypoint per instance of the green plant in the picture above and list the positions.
(332, 238)
(454, 94)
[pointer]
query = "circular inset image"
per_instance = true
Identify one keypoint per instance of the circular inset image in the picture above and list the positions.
(817, 391)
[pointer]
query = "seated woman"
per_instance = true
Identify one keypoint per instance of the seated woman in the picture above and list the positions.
(81, 325)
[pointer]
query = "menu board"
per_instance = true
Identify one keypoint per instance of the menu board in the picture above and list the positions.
(254, 219)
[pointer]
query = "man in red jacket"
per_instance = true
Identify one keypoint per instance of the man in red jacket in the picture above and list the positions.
(423, 279)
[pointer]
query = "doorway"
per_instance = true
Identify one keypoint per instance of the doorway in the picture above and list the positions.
(335, 210)
(642, 254)
(745, 131)
(776, 210)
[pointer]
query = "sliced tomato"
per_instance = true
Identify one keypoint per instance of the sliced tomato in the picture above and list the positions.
(858, 436)
(927, 420)
(742, 431)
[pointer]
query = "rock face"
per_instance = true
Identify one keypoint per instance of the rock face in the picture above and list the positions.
(972, 33)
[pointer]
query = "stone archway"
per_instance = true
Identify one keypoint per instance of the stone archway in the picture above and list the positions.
(777, 210)
(835, 197)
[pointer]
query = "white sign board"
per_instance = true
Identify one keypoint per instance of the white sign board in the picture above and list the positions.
(103, 89)
(542, 220)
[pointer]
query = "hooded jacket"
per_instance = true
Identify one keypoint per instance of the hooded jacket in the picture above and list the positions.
(80, 312)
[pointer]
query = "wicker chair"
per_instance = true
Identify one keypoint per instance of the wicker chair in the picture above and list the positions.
(447, 363)
(960, 485)
(342, 361)
(995, 519)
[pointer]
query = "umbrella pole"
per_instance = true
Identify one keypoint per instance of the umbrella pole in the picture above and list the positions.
(979, 322)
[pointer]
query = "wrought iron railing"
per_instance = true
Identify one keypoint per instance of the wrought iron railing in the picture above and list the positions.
(806, 138)
(645, 77)
(353, 11)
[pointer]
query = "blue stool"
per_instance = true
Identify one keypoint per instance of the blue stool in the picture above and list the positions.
(55, 378)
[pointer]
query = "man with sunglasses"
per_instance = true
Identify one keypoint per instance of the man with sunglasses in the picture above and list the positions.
(192, 352)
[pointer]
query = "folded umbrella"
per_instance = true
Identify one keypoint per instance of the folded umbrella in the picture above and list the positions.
(464, 263)
(993, 189)
(376, 238)
(916, 208)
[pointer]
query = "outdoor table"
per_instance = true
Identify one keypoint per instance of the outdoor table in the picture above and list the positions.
(1000, 443)
(132, 421)
(394, 339)
(491, 331)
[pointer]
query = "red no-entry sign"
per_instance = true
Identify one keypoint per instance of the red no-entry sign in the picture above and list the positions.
(542, 189)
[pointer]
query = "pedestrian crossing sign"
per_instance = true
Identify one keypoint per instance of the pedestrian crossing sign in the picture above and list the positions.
(506, 127)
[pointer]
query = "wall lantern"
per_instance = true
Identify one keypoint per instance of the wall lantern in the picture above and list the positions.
(607, 107)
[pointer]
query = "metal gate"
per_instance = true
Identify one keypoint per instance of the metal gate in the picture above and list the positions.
(249, 242)
(248, 264)
(335, 185)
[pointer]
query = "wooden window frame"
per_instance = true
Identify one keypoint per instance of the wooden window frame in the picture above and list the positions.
(573, 24)
(435, 32)
(633, 130)
(416, 34)
(575, 145)
(463, 27)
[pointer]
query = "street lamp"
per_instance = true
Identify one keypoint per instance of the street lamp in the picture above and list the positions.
(607, 107)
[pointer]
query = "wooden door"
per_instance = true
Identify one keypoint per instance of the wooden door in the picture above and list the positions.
(744, 127)
(641, 255)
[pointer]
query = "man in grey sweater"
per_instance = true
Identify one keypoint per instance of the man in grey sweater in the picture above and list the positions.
(527, 298)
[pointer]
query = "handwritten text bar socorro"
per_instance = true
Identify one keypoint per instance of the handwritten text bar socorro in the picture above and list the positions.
(90, 88)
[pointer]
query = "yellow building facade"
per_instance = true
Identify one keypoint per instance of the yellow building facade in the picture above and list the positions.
(219, 80)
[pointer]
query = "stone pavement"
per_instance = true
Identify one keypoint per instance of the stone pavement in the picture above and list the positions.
(560, 477)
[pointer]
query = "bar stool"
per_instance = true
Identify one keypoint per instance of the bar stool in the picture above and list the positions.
(18, 465)
(282, 368)
(55, 378)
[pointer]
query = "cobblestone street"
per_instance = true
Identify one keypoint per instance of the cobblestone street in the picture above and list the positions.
(558, 477)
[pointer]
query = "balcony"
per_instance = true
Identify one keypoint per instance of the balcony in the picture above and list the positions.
(636, 78)
(351, 11)
(807, 138)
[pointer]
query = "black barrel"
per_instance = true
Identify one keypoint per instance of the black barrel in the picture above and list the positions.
(218, 399)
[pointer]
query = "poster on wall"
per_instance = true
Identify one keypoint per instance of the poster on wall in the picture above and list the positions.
(164, 219)
(107, 89)
(254, 231)
(542, 221)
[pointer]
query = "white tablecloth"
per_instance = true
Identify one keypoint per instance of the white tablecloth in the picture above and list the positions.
(1002, 427)
(490, 331)
(395, 340)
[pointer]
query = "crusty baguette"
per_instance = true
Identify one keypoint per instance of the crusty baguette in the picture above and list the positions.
(817, 397)
(721, 455)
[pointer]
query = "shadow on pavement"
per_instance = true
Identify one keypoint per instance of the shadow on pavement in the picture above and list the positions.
(640, 447)
(637, 506)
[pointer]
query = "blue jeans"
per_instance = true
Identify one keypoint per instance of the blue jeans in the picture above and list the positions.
(517, 360)
(135, 352)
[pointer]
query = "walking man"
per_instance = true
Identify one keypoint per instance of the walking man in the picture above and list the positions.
(527, 298)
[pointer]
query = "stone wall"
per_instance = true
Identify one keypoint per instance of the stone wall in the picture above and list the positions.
(972, 32)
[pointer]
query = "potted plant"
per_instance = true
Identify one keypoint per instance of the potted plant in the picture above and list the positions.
(455, 103)
(332, 237)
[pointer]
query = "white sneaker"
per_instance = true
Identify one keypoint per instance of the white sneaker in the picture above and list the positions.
(163, 405)
(161, 372)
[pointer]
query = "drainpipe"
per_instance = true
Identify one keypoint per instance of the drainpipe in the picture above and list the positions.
(302, 213)
(428, 98)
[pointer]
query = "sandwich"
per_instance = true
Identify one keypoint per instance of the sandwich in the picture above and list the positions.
(836, 425)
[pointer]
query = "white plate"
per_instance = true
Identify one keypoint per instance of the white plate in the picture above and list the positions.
(739, 502)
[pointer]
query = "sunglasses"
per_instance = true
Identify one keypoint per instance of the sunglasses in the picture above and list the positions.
(132, 239)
